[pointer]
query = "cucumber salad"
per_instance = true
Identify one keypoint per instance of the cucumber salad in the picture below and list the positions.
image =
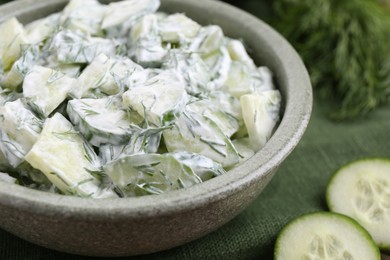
(122, 100)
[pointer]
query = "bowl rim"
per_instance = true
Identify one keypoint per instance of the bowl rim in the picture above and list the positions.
(293, 124)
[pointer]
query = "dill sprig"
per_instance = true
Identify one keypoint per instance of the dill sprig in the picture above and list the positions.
(345, 46)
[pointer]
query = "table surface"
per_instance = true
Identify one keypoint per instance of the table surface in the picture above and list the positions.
(297, 188)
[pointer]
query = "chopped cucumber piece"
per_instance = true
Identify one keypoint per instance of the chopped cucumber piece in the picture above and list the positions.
(361, 190)
(15, 76)
(202, 166)
(45, 89)
(75, 47)
(261, 113)
(146, 46)
(325, 235)
(101, 121)
(12, 38)
(20, 129)
(147, 26)
(243, 80)
(195, 133)
(67, 160)
(209, 40)
(177, 27)
(226, 122)
(83, 15)
(160, 101)
(40, 30)
(141, 141)
(219, 65)
(191, 68)
(119, 16)
(238, 52)
(103, 76)
(142, 174)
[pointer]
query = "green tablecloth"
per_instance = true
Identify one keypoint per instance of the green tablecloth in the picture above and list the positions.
(297, 188)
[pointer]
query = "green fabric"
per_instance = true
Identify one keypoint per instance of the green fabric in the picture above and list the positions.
(297, 188)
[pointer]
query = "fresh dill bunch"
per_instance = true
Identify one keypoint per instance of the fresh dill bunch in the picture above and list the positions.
(345, 45)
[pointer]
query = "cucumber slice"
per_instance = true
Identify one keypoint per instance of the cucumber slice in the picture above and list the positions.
(102, 76)
(143, 174)
(219, 64)
(14, 78)
(226, 122)
(261, 113)
(12, 37)
(202, 166)
(325, 235)
(74, 47)
(209, 40)
(145, 27)
(101, 121)
(191, 68)
(67, 160)
(238, 52)
(83, 15)
(45, 89)
(119, 14)
(20, 129)
(40, 30)
(361, 190)
(244, 80)
(176, 28)
(195, 133)
(160, 101)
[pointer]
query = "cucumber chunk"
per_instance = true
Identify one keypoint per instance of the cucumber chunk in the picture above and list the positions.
(195, 133)
(225, 121)
(101, 121)
(102, 76)
(160, 100)
(15, 76)
(143, 174)
(83, 15)
(120, 16)
(45, 89)
(40, 30)
(19, 130)
(191, 68)
(238, 52)
(74, 47)
(178, 27)
(12, 37)
(67, 160)
(325, 235)
(209, 40)
(361, 190)
(261, 113)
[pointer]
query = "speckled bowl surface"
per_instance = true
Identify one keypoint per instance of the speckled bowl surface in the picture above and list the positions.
(130, 226)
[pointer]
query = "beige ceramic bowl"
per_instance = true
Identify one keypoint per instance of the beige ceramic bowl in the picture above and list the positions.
(119, 227)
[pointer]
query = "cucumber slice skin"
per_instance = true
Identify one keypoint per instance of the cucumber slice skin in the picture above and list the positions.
(336, 219)
(334, 204)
